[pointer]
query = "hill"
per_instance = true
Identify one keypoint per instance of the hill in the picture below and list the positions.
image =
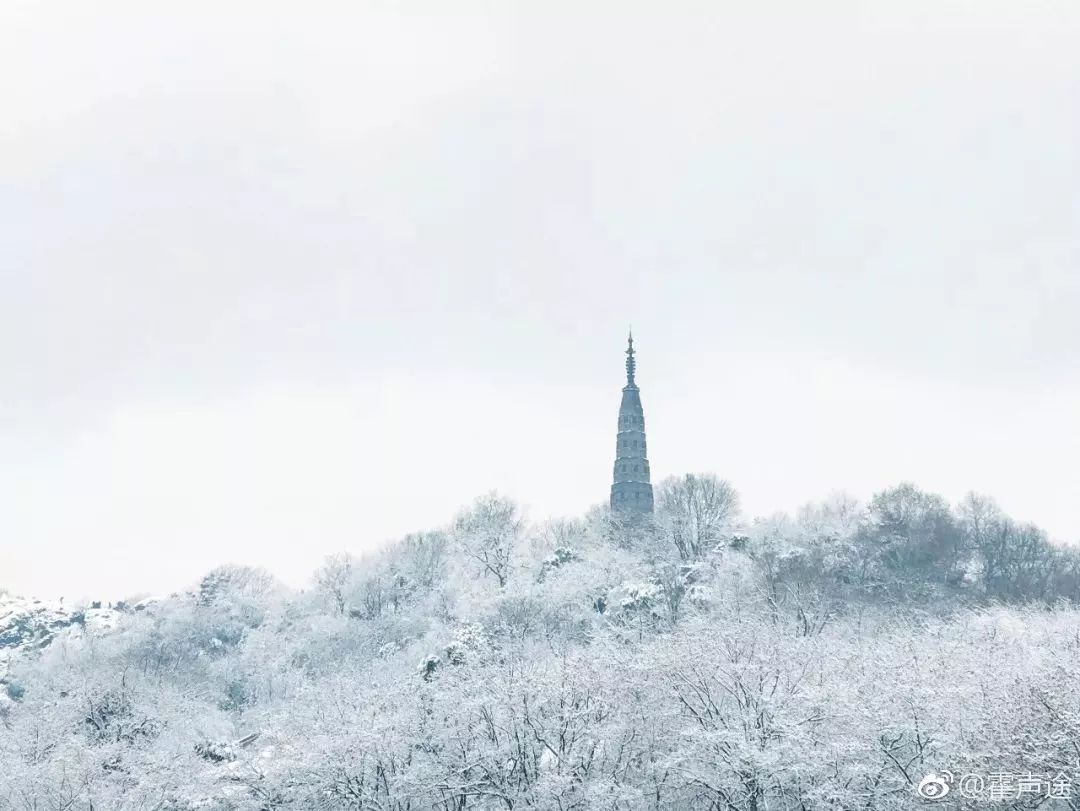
(840, 658)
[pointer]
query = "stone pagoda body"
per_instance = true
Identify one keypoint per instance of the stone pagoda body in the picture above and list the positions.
(631, 491)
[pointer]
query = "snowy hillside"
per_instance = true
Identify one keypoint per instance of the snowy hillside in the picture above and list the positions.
(835, 659)
(27, 623)
(28, 626)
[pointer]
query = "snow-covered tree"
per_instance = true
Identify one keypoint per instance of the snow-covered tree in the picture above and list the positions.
(488, 532)
(694, 510)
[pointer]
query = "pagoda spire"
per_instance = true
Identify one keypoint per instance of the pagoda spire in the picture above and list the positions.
(631, 490)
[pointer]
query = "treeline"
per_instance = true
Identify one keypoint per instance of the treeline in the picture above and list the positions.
(906, 546)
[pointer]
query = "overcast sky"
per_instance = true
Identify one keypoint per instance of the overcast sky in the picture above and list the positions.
(279, 283)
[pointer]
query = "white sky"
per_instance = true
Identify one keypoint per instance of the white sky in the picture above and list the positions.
(279, 283)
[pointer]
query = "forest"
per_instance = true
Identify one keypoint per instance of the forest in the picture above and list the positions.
(692, 659)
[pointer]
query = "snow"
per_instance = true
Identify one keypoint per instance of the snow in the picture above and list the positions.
(29, 625)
